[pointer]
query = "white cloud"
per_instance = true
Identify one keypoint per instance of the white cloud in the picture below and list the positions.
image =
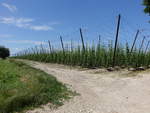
(11, 8)
(19, 22)
(24, 42)
(24, 23)
(54, 23)
(5, 36)
(42, 27)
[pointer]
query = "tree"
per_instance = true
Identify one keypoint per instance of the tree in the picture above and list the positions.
(147, 4)
(4, 52)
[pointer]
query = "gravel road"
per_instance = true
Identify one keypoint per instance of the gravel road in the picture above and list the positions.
(100, 91)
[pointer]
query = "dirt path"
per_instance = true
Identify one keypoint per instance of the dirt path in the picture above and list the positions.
(100, 93)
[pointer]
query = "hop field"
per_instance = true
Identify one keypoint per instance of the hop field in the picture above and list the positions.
(95, 56)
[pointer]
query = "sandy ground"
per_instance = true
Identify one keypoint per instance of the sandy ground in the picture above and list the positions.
(100, 91)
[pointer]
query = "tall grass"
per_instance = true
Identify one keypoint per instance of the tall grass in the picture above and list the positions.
(98, 55)
(23, 87)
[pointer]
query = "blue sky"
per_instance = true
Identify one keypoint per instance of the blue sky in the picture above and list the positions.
(26, 23)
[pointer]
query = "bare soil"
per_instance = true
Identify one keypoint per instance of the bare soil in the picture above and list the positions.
(100, 91)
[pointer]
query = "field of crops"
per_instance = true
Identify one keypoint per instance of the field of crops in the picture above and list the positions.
(95, 56)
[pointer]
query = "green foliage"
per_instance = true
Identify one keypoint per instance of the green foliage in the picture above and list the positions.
(147, 4)
(94, 56)
(4, 52)
(22, 86)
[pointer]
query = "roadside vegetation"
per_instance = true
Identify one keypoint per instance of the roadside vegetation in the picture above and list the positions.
(23, 87)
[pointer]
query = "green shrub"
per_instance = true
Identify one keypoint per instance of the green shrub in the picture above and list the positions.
(4, 52)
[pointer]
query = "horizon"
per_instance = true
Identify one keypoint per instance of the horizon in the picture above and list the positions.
(25, 23)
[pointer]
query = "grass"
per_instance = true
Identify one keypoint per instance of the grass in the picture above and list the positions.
(22, 87)
(93, 56)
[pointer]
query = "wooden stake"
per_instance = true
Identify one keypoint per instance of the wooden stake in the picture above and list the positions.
(82, 39)
(62, 44)
(116, 41)
(142, 44)
(134, 41)
(147, 46)
(99, 40)
(50, 48)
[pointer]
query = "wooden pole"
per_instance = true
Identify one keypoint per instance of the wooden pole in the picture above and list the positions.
(50, 48)
(136, 36)
(62, 44)
(147, 46)
(42, 48)
(99, 40)
(134, 41)
(140, 51)
(71, 45)
(37, 50)
(142, 44)
(116, 41)
(81, 34)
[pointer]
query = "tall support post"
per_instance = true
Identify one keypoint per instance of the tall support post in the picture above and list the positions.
(42, 48)
(136, 36)
(37, 50)
(142, 44)
(130, 53)
(147, 46)
(116, 41)
(99, 40)
(71, 45)
(62, 44)
(140, 49)
(50, 47)
(81, 34)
